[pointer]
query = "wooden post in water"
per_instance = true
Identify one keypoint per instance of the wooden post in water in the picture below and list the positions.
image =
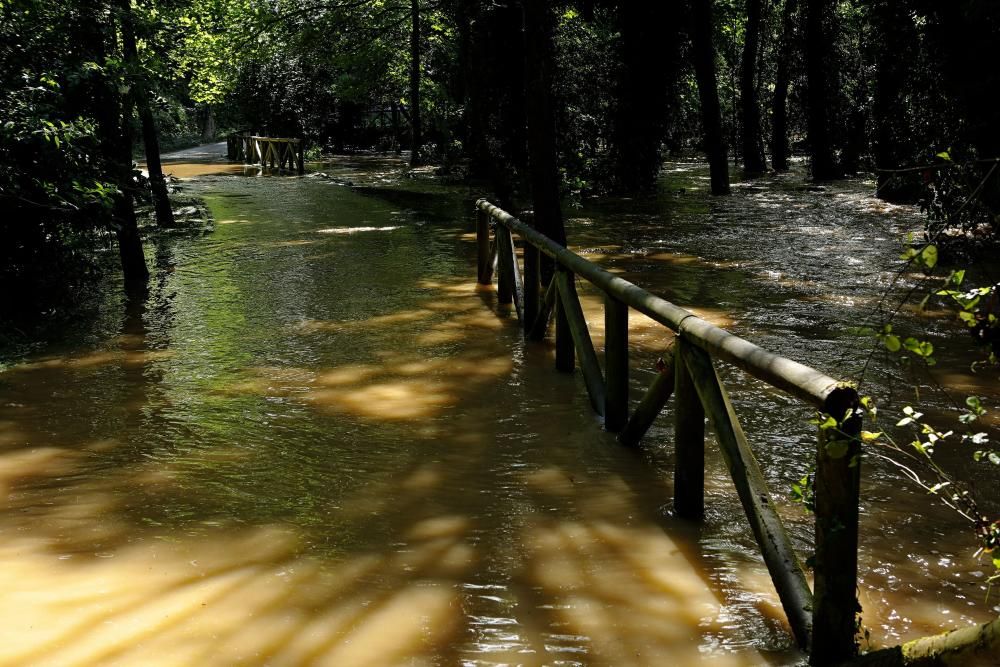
(615, 364)
(779, 556)
(505, 278)
(565, 355)
(689, 442)
(483, 255)
(544, 316)
(532, 285)
(590, 367)
(509, 268)
(837, 491)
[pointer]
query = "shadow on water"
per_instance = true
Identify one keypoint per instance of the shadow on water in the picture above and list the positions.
(317, 441)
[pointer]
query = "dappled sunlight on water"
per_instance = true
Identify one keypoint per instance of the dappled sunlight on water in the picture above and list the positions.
(320, 441)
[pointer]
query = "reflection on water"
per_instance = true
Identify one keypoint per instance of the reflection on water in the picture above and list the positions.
(317, 442)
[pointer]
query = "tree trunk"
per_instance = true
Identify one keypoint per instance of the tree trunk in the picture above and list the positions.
(500, 100)
(416, 136)
(644, 77)
(539, 63)
(819, 53)
(779, 106)
(703, 53)
(894, 41)
(140, 96)
(753, 146)
(115, 136)
(208, 126)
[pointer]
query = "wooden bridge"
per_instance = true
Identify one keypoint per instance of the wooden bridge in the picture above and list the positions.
(269, 152)
(825, 619)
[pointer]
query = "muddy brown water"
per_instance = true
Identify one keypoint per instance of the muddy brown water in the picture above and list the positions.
(319, 442)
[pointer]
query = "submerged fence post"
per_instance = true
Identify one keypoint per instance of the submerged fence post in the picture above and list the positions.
(615, 364)
(837, 490)
(689, 442)
(532, 283)
(483, 254)
(565, 353)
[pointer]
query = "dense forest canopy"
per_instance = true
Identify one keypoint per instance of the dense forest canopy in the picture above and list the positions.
(536, 102)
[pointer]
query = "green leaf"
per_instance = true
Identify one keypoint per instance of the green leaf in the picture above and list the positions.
(836, 449)
(944, 155)
(929, 256)
(892, 343)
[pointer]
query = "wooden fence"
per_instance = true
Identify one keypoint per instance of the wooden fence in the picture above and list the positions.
(272, 152)
(824, 620)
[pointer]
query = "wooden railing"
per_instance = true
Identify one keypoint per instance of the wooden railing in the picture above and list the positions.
(272, 152)
(824, 621)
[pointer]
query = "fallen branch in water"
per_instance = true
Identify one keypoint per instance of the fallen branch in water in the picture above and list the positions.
(976, 645)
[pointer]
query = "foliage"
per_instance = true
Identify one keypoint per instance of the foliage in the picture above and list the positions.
(960, 200)
(55, 193)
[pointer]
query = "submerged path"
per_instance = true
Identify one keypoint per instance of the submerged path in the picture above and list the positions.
(318, 442)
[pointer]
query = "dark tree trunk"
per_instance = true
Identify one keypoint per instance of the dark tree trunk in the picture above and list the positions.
(753, 146)
(779, 105)
(474, 73)
(416, 131)
(396, 141)
(703, 54)
(895, 45)
(819, 56)
(642, 95)
(208, 125)
(114, 133)
(857, 140)
(539, 63)
(497, 119)
(151, 143)
(965, 34)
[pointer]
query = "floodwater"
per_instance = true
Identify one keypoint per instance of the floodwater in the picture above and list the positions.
(320, 442)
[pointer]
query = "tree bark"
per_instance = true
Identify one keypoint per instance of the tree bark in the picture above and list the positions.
(151, 143)
(641, 113)
(539, 63)
(779, 105)
(975, 645)
(753, 146)
(208, 126)
(703, 53)
(114, 133)
(819, 53)
(894, 47)
(416, 131)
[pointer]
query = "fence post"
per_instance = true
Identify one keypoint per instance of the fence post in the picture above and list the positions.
(301, 145)
(532, 283)
(565, 353)
(615, 364)
(837, 490)
(483, 254)
(689, 442)
(505, 277)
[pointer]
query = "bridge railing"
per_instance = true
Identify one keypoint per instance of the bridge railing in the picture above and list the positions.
(269, 152)
(823, 620)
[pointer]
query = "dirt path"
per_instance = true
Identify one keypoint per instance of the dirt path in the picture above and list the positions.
(205, 153)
